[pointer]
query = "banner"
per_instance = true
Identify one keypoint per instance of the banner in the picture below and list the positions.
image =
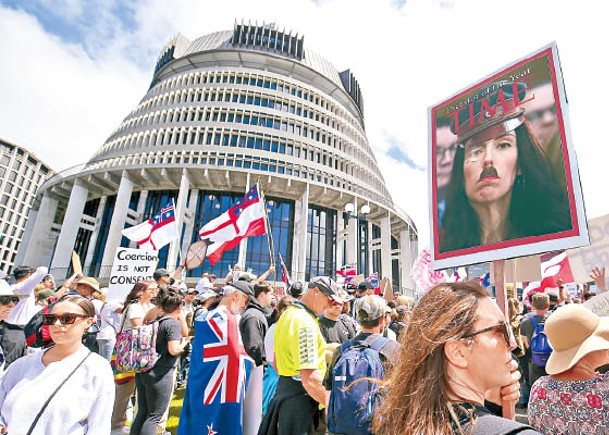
(504, 181)
(583, 260)
(129, 267)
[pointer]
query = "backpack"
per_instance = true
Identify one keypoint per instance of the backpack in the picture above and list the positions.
(540, 346)
(353, 399)
(136, 348)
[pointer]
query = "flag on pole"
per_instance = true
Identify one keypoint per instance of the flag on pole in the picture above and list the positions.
(374, 279)
(244, 219)
(345, 275)
(285, 276)
(157, 231)
(555, 265)
(218, 377)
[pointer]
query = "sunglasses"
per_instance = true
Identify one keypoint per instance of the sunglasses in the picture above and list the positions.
(5, 300)
(64, 319)
(502, 328)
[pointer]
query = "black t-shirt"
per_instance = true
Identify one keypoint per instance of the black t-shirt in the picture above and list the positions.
(12, 342)
(169, 330)
(337, 331)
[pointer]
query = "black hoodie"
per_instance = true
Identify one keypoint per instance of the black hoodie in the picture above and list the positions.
(253, 327)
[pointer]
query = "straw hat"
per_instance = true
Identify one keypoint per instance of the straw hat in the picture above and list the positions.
(574, 331)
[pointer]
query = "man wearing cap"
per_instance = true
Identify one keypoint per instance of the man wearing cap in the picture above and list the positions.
(540, 303)
(371, 311)
(163, 277)
(210, 401)
(300, 361)
(364, 288)
(335, 326)
(26, 278)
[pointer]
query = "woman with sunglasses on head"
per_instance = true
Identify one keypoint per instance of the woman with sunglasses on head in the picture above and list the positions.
(12, 339)
(458, 359)
(65, 389)
(155, 387)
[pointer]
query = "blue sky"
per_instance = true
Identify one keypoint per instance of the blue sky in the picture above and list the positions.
(74, 69)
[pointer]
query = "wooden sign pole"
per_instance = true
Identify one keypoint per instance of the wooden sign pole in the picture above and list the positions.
(509, 408)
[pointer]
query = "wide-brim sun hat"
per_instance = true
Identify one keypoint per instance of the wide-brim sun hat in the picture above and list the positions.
(574, 331)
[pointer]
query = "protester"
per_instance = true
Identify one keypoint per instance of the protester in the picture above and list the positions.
(401, 321)
(217, 333)
(296, 290)
(253, 327)
(574, 397)
(136, 306)
(441, 378)
(26, 278)
(206, 282)
(502, 185)
(349, 410)
(110, 323)
(300, 361)
(270, 378)
(541, 304)
(12, 339)
(77, 381)
(335, 326)
(155, 386)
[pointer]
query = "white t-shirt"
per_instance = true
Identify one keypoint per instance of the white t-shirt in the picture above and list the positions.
(135, 311)
(26, 307)
(269, 343)
(110, 322)
(83, 405)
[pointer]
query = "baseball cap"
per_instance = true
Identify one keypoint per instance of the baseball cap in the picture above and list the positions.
(206, 294)
(159, 273)
(328, 286)
(364, 285)
(242, 286)
(370, 307)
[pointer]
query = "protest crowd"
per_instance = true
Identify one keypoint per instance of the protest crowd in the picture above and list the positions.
(256, 357)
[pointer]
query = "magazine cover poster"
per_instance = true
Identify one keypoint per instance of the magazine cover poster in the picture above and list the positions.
(504, 181)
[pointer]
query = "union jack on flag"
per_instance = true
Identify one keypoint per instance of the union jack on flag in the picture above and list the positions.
(155, 232)
(217, 378)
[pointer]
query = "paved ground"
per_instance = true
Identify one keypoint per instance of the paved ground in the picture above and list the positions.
(521, 415)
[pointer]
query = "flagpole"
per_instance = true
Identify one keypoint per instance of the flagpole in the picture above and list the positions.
(269, 232)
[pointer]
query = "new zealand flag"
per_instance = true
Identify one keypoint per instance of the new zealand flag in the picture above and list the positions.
(217, 378)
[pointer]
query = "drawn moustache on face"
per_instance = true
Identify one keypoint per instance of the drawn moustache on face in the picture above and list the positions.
(488, 172)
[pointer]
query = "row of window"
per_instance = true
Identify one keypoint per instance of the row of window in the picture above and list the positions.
(251, 140)
(244, 97)
(242, 161)
(188, 80)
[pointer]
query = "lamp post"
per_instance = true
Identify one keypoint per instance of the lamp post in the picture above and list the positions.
(350, 208)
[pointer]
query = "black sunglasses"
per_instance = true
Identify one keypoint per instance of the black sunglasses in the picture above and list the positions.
(64, 319)
(5, 300)
(503, 327)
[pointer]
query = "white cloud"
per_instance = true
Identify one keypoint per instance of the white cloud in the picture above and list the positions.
(63, 100)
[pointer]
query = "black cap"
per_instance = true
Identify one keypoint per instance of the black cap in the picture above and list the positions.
(159, 273)
(328, 286)
(351, 288)
(296, 289)
(365, 285)
(244, 287)
(21, 271)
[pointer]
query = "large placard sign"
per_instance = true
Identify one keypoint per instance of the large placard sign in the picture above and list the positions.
(583, 260)
(129, 267)
(504, 181)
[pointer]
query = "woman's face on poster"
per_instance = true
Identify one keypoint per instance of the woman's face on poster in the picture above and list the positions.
(490, 168)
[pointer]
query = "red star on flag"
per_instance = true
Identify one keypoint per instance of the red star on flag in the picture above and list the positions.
(210, 430)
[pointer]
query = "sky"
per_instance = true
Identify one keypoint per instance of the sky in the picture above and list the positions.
(71, 70)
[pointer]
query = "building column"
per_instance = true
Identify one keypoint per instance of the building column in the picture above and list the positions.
(180, 208)
(189, 221)
(93, 242)
(405, 260)
(36, 234)
(141, 207)
(62, 256)
(341, 236)
(242, 258)
(386, 247)
(352, 235)
(117, 223)
(299, 247)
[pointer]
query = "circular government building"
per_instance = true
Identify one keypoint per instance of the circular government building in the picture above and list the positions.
(225, 111)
